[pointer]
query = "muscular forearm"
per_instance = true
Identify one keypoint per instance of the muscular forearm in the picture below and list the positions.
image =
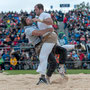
(41, 32)
(48, 21)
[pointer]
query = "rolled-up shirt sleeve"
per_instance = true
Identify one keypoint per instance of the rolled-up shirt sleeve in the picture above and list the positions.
(28, 31)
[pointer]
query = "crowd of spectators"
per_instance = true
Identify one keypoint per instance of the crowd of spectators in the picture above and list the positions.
(77, 25)
(78, 59)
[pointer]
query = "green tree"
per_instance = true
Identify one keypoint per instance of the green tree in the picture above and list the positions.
(83, 6)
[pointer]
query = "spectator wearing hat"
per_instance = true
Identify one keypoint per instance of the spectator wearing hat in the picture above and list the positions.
(1, 63)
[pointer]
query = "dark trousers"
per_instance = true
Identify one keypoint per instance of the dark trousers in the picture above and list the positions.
(62, 52)
(52, 61)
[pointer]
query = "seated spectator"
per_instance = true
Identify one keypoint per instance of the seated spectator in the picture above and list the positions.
(22, 38)
(1, 63)
(65, 38)
(73, 42)
(82, 39)
(89, 56)
(8, 40)
(6, 57)
(88, 23)
(75, 56)
(77, 35)
(13, 61)
(81, 56)
(15, 42)
(1, 51)
(62, 41)
(85, 65)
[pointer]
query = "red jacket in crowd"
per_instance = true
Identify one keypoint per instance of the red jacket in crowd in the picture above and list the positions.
(65, 20)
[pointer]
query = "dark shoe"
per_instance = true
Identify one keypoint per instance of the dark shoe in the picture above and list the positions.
(42, 80)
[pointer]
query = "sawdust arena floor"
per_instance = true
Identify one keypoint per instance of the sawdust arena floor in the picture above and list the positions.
(28, 82)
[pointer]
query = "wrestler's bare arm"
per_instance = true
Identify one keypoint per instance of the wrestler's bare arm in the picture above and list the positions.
(41, 32)
(47, 21)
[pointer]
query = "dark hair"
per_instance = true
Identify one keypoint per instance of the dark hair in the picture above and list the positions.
(40, 6)
(23, 21)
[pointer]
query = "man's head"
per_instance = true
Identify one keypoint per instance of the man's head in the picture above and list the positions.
(39, 8)
(26, 21)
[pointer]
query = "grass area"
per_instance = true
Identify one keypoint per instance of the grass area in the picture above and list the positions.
(16, 72)
(70, 71)
(77, 71)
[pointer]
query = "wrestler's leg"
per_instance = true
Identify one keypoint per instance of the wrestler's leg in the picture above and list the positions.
(63, 54)
(52, 64)
(71, 47)
(43, 57)
(52, 61)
